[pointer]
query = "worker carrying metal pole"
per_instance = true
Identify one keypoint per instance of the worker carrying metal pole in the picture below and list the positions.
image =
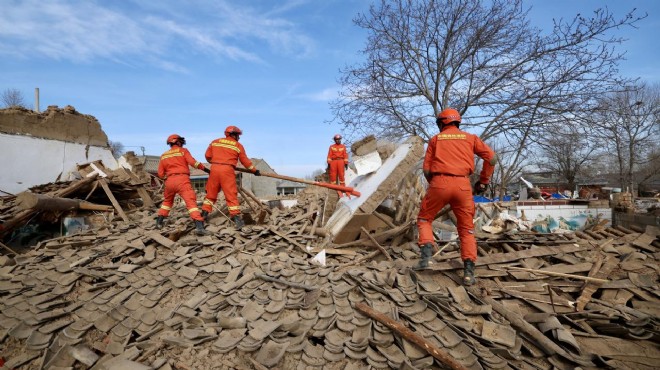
(224, 154)
(337, 161)
(448, 163)
(173, 167)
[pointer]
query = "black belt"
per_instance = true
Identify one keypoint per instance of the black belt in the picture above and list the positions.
(448, 174)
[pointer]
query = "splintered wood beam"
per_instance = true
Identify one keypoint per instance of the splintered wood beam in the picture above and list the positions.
(511, 256)
(535, 335)
(42, 202)
(560, 274)
(440, 355)
(591, 288)
(146, 198)
(380, 248)
(113, 200)
(22, 216)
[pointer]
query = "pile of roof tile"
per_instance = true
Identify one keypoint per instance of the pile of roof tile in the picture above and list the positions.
(129, 296)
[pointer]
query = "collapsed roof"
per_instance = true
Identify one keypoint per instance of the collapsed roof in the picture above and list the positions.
(124, 295)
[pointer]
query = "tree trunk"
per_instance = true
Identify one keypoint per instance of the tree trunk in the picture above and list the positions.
(42, 202)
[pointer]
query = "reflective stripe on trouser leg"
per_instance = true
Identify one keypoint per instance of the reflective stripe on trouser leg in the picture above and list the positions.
(212, 188)
(432, 203)
(230, 190)
(171, 187)
(190, 198)
(464, 223)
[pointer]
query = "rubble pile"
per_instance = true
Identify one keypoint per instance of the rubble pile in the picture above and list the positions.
(129, 296)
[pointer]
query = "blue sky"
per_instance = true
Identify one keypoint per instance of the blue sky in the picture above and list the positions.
(146, 69)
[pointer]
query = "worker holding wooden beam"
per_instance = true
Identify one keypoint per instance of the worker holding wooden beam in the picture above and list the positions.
(224, 154)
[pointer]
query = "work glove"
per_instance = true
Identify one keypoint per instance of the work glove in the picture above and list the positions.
(479, 188)
(345, 166)
(257, 173)
(207, 170)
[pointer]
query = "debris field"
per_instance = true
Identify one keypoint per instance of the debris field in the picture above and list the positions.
(124, 295)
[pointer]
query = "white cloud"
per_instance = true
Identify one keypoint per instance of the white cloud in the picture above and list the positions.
(323, 95)
(135, 33)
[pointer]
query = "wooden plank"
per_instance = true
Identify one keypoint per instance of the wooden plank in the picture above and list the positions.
(146, 198)
(552, 273)
(592, 287)
(158, 238)
(113, 200)
(511, 256)
(644, 242)
(382, 250)
(439, 354)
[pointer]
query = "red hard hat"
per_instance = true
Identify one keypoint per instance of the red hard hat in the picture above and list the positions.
(233, 130)
(172, 139)
(337, 137)
(448, 115)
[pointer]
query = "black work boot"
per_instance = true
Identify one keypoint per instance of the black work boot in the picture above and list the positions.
(205, 214)
(427, 253)
(239, 222)
(468, 273)
(199, 228)
(159, 222)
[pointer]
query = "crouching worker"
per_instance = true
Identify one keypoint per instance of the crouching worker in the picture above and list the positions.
(173, 167)
(448, 163)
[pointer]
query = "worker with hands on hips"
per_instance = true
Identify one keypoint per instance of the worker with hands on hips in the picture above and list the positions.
(337, 161)
(173, 167)
(448, 163)
(224, 154)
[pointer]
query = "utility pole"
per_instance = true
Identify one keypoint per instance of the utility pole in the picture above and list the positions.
(36, 99)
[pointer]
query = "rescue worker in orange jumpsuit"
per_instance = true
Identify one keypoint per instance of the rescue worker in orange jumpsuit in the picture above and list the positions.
(173, 167)
(448, 163)
(337, 161)
(224, 154)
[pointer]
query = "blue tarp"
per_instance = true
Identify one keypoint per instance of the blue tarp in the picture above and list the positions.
(507, 198)
(480, 199)
(557, 196)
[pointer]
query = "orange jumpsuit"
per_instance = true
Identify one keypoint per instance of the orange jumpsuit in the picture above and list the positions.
(224, 154)
(173, 167)
(449, 160)
(337, 159)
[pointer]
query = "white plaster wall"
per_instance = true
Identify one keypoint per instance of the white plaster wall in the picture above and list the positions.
(577, 216)
(29, 161)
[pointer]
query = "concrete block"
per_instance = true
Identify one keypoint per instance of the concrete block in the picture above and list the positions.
(364, 146)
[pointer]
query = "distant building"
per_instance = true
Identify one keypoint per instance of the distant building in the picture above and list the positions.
(286, 187)
(261, 186)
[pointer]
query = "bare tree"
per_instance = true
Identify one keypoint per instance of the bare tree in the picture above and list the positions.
(482, 58)
(116, 148)
(628, 125)
(13, 98)
(566, 152)
(511, 161)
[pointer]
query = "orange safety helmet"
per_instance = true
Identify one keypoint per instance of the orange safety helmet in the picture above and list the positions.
(172, 139)
(233, 130)
(447, 116)
(337, 137)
